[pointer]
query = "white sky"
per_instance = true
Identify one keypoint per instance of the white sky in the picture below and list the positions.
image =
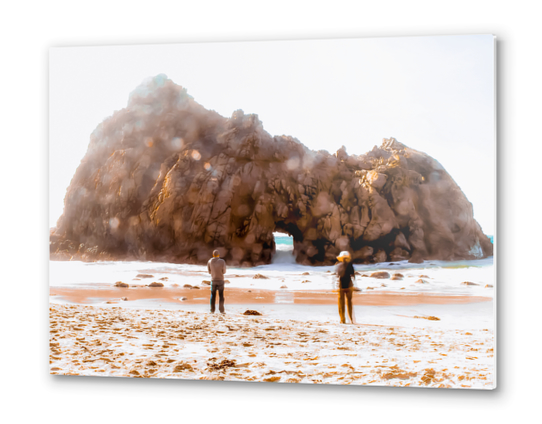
(434, 94)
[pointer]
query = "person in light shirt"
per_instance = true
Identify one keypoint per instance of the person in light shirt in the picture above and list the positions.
(217, 269)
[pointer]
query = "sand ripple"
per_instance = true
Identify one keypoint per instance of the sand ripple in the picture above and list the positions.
(121, 342)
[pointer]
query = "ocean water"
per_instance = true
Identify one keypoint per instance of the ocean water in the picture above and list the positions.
(283, 239)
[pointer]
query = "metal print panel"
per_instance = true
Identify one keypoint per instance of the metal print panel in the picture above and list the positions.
(316, 212)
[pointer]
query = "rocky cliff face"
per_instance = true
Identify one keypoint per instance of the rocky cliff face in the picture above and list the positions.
(166, 180)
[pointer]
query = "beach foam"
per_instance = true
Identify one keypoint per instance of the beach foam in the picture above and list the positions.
(437, 276)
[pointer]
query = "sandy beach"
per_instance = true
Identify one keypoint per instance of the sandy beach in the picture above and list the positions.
(122, 342)
(104, 339)
(426, 325)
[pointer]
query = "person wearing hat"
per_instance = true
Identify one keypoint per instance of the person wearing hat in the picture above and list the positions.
(345, 272)
(217, 269)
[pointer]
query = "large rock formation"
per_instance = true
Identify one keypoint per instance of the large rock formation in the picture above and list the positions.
(167, 180)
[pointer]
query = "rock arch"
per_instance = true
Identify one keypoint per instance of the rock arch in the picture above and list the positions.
(165, 179)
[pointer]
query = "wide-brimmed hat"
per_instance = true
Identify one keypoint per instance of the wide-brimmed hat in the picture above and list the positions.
(343, 254)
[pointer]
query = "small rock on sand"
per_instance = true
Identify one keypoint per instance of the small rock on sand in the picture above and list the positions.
(121, 284)
(164, 279)
(182, 299)
(251, 312)
(397, 276)
(144, 276)
(488, 286)
(424, 276)
(306, 273)
(420, 281)
(430, 318)
(183, 367)
(469, 283)
(155, 284)
(194, 288)
(175, 285)
(187, 286)
(380, 274)
(306, 281)
(124, 299)
(283, 287)
(257, 276)
(206, 282)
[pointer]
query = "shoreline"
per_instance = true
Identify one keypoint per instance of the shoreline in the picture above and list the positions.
(474, 278)
(237, 296)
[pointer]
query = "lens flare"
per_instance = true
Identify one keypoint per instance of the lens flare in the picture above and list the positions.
(177, 143)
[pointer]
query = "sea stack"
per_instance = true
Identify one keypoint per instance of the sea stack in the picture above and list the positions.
(167, 180)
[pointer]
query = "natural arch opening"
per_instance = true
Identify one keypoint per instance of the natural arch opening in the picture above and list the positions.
(284, 249)
(284, 236)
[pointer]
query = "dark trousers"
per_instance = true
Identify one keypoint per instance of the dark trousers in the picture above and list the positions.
(345, 294)
(217, 286)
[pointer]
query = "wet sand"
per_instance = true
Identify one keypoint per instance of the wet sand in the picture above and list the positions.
(236, 296)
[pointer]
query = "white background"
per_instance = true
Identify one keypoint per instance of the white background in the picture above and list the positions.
(29, 29)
